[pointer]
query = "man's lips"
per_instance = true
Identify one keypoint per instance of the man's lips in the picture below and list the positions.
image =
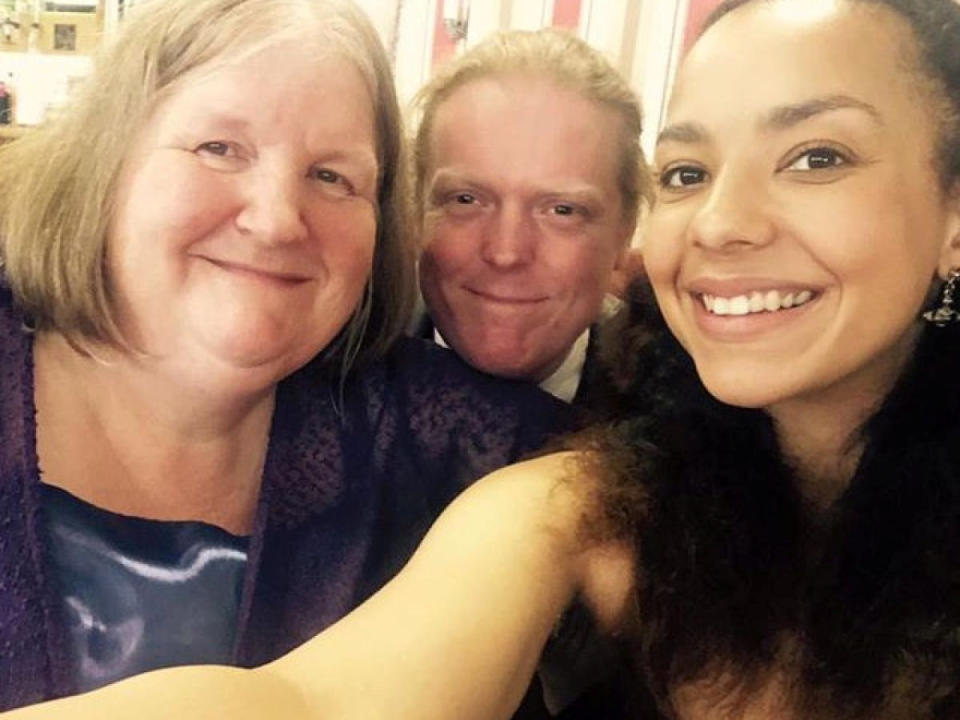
(506, 298)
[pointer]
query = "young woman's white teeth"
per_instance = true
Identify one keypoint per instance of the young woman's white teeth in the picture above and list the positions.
(721, 306)
(739, 305)
(787, 300)
(771, 300)
(756, 302)
(802, 297)
(708, 302)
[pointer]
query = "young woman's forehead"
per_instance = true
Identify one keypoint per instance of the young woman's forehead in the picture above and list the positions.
(756, 59)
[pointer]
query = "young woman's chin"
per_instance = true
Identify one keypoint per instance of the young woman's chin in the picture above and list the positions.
(749, 387)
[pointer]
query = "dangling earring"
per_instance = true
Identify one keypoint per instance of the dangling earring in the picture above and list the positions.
(945, 313)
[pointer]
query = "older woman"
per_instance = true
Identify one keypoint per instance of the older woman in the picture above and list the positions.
(211, 446)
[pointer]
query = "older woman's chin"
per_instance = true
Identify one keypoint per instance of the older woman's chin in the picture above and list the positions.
(277, 353)
(239, 359)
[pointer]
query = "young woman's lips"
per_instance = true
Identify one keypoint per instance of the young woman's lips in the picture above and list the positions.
(726, 318)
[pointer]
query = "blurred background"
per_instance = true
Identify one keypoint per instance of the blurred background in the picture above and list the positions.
(46, 45)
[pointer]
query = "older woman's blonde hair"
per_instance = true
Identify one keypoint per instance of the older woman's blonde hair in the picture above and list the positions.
(58, 183)
(556, 56)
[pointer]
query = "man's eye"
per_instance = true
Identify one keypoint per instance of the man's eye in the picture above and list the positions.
(682, 177)
(564, 209)
(820, 158)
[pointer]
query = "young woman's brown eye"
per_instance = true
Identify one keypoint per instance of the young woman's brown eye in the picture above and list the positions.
(682, 177)
(820, 158)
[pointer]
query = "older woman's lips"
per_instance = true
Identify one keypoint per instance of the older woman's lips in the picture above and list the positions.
(257, 273)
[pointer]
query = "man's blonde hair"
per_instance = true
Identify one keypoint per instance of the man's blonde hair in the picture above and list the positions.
(58, 183)
(556, 56)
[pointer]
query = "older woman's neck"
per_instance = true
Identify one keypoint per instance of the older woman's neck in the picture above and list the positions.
(144, 445)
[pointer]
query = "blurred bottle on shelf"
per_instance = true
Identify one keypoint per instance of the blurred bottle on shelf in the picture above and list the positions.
(6, 100)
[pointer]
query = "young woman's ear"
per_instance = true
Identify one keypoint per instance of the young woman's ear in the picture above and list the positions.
(950, 251)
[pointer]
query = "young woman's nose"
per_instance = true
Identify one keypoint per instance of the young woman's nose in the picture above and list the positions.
(734, 216)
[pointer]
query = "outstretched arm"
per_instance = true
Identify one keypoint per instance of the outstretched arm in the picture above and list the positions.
(456, 634)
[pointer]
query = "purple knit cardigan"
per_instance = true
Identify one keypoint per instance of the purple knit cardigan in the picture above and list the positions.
(350, 486)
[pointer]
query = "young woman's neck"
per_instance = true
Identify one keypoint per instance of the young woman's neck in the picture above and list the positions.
(820, 431)
(820, 443)
(132, 440)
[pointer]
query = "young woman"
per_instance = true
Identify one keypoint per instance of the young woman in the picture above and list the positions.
(776, 536)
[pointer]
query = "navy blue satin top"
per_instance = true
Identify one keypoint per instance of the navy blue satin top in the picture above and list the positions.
(142, 594)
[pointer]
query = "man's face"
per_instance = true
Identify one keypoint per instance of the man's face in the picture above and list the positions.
(523, 221)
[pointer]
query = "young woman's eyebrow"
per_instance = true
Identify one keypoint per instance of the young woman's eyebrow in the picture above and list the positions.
(687, 133)
(787, 116)
(779, 118)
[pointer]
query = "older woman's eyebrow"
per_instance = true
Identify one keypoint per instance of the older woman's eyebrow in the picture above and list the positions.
(786, 116)
(217, 120)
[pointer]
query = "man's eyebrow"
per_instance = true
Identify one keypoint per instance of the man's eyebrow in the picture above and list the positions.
(787, 116)
(448, 176)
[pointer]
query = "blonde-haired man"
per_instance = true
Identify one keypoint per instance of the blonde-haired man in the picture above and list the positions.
(529, 181)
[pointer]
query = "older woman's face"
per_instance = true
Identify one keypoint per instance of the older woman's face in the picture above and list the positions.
(246, 215)
(799, 222)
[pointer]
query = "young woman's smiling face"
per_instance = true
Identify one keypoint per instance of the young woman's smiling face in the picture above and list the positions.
(800, 219)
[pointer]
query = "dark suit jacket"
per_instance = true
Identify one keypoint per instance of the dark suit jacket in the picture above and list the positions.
(594, 378)
(577, 663)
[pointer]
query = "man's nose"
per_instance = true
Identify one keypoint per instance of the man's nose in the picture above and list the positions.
(510, 238)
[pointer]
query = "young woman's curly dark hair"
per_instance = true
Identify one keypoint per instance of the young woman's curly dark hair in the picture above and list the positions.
(733, 564)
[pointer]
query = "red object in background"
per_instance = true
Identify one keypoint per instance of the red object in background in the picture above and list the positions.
(444, 46)
(566, 14)
(699, 9)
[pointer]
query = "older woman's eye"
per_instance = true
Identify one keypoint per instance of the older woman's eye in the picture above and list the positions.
(464, 198)
(215, 147)
(332, 181)
(328, 176)
(681, 177)
(818, 158)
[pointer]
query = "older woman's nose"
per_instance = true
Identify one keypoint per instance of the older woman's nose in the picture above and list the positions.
(734, 216)
(272, 211)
